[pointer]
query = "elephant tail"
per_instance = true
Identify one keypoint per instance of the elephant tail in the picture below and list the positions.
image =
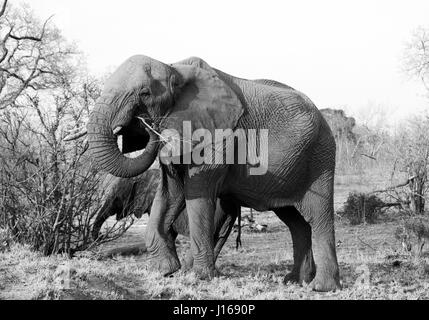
(238, 239)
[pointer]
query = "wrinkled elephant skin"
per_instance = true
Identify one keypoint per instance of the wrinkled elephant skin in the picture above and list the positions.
(144, 97)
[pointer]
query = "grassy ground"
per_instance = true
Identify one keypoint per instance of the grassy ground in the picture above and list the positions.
(253, 272)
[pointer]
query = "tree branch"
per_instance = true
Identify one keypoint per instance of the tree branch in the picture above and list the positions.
(25, 38)
(3, 8)
(402, 184)
(32, 38)
(368, 156)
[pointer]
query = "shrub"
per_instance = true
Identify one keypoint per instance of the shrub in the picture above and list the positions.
(5, 240)
(361, 208)
(50, 204)
(49, 192)
(414, 230)
(419, 226)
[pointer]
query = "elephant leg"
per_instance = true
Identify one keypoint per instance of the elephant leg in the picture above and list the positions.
(303, 264)
(201, 229)
(201, 193)
(181, 226)
(167, 205)
(225, 215)
(317, 207)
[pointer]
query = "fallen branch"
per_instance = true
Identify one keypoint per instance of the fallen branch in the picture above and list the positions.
(368, 156)
(130, 250)
(365, 243)
(394, 204)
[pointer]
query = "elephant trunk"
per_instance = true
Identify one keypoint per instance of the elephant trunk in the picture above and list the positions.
(105, 150)
(107, 209)
(95, 232)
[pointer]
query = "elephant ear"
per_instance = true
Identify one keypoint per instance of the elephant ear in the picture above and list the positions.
(196, 62)
(203, 98)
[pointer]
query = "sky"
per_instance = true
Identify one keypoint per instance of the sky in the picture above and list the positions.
(342, 54)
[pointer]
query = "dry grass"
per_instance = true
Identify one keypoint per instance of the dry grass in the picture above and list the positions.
(253, 272)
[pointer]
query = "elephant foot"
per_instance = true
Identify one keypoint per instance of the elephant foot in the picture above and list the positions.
(188, 262)
(305, 274)
(292, 277)
(297, 278)
(166, 264)
(205, 273)
(325, 283)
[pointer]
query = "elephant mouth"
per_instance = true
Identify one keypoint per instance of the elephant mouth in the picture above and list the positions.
(133, 136)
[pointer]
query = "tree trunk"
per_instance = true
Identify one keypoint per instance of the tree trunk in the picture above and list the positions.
(417, 201)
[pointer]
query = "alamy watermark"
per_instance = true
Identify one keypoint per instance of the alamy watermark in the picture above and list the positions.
(200, 147)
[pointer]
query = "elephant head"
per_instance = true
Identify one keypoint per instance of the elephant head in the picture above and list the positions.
(123, 197)
(164, 96)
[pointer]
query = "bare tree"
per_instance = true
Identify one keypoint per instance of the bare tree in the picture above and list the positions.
(416, 60)
(31, 54)
(49, 190)
(411, 149)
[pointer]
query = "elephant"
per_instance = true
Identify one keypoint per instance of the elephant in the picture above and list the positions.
(126, 196)
(153, 105)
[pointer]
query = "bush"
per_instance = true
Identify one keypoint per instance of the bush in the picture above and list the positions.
(361, 207)
(412, 233)
(419, 226)
(5, 240)
(49, 192)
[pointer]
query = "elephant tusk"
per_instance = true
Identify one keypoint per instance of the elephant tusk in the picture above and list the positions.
(76, 130)
(85, 145)
(116, 130)
(74, 136)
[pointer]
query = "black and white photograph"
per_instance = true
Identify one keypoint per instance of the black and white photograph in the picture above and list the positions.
(214, 151)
